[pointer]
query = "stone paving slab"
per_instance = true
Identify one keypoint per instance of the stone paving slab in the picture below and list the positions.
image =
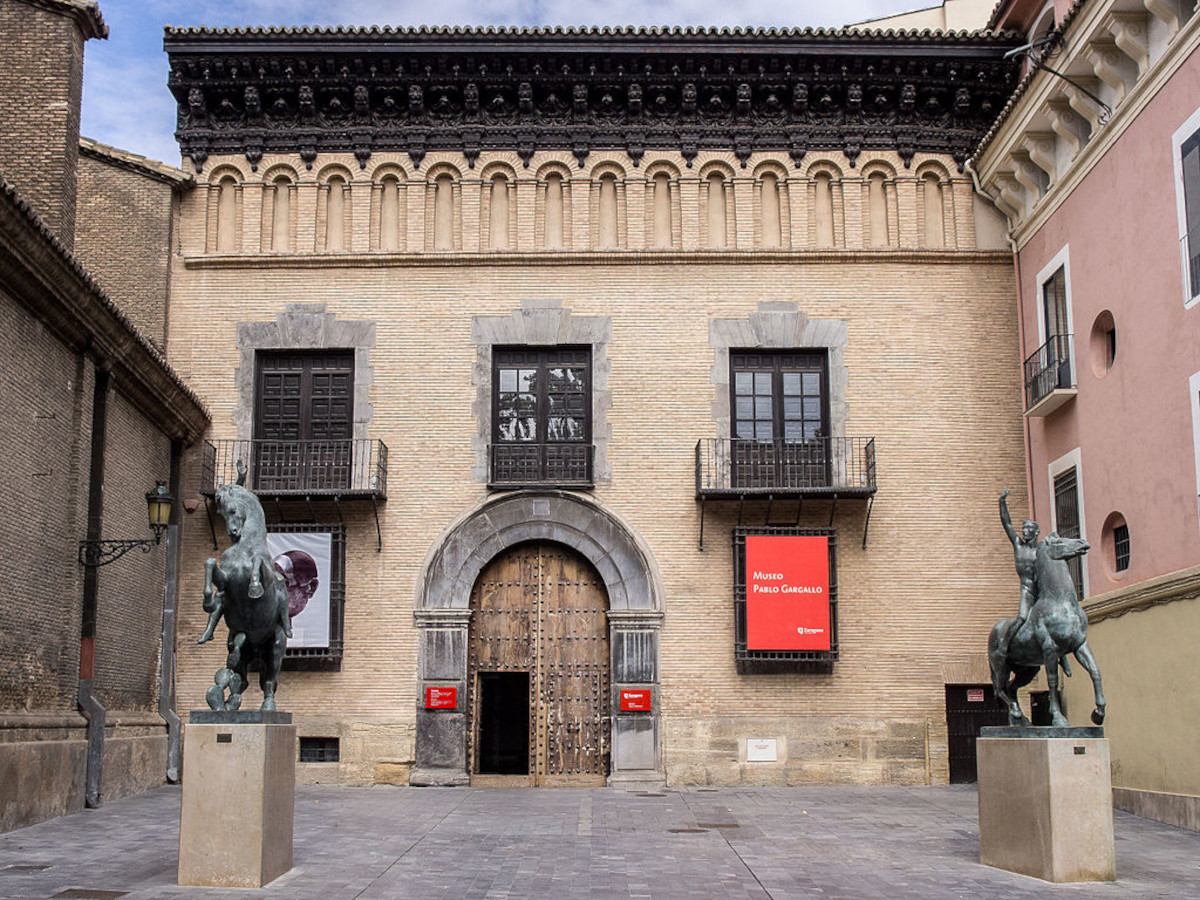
(830, 843)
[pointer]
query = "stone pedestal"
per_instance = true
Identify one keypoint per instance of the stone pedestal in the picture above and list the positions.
(1045, 803)
(239, 785)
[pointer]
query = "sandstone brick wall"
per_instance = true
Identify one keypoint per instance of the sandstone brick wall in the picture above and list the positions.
(130, 603)
(933, 367)
(115, 200)
(41, 84)
(44, 447)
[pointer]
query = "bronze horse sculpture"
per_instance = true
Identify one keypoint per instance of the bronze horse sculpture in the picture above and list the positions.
(250, 594)
(1056, 627)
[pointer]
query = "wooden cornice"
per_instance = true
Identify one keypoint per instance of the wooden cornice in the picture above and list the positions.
(311, 91)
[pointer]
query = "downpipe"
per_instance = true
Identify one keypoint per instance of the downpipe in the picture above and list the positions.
(166, 686)
(94, 712)
(1012, 243)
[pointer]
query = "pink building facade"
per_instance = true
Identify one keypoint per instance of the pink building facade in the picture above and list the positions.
(1096, 164)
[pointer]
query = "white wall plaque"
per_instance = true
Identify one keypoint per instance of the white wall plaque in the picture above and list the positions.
(762, 750)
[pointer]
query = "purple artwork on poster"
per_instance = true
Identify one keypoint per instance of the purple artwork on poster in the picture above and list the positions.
(305, 561)
(299, 571)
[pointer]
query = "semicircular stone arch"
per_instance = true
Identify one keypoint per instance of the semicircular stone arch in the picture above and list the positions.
(443, 614)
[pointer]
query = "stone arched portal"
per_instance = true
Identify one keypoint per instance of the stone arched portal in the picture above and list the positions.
(443, 614)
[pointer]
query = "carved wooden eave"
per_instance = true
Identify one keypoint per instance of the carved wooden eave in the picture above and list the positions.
(1116, 57)
(40, 274)
(312, 91)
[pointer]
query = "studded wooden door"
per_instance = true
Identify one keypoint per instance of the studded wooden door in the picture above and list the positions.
(539, 608)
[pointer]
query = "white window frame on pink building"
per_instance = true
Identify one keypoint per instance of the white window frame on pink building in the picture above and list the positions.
(1070, 459)
(1194, 401)
(1181, 135)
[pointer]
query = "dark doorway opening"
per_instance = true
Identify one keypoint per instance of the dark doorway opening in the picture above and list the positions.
(503, 723)
(969, 707)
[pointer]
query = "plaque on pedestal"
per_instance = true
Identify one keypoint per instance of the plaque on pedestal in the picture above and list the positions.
(1045, 803)
(239, 784)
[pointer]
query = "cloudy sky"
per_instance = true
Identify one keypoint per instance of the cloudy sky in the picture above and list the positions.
(126, 102)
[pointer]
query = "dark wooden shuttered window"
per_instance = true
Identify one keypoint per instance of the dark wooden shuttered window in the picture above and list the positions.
(304, 418)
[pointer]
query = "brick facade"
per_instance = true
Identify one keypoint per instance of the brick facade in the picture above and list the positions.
(127, 194)
(929, 353)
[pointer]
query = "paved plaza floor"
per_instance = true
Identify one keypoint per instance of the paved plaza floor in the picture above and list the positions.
(834, 843)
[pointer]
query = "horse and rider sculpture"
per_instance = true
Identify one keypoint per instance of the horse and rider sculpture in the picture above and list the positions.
(250, 594)
(1049, 626)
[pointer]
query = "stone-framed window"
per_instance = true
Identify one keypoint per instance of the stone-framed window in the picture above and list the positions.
(778, 325)
(304, 326)
(540, 324)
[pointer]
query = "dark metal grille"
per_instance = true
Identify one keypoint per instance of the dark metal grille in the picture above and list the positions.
(319, 750)
(1066, 517)
(329, 658)
(1121, 547)
(964, 717)
(1048, 368)
(560, 465)
(819, 466)
(298, 468)
(765, 661)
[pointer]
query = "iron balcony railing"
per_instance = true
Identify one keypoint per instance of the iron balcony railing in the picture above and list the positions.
(1049, 368)
(338, 468)
(518, 464)
(843, 466)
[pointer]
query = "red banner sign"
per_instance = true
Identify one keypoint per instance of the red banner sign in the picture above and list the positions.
(975, 695)
(635, 701)
(787, 593)
(441, 698)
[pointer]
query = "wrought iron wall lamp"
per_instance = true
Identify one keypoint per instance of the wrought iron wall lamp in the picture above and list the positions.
(1048, 47)
(159, 501)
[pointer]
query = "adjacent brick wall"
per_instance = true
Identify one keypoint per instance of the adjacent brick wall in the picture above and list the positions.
(41, 85)
(115, 200)
(44, 446)
(129, 609)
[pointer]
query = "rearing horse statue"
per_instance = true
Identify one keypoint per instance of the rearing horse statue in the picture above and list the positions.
(1057, 626)
(247, 590)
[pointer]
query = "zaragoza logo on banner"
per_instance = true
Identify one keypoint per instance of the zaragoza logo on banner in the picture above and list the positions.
(787, 593)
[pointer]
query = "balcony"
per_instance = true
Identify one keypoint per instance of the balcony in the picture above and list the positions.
(1050, 376)
(820, 467)
(520, 465)
(341, 469)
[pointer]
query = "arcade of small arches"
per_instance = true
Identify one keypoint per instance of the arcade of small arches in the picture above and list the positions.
(610, 206)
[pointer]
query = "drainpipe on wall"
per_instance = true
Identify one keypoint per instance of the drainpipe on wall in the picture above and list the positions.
(1012, 243)
(166, 685)
(89, 705)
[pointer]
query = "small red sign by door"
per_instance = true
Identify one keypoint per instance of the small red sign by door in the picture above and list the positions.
(441, 698)
(975, 695)
(635, 701)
